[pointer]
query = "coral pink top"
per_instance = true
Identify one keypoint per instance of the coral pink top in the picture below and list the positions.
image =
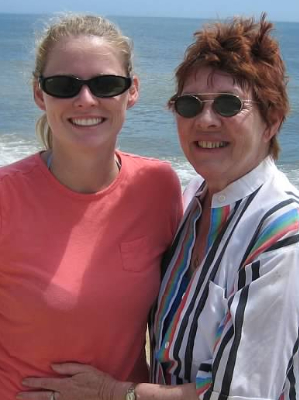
(79, 272)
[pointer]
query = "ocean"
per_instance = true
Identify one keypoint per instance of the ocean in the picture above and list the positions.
(159, 44)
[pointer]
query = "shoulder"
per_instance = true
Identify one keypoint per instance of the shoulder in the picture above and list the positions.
(274, 206)
(146, 162)
(14, 179)
(282, 205)
(158, 171)
(278, 193)
(276, 217)
(18, 168)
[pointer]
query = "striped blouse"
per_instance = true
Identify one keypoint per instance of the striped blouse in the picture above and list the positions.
(233, 328)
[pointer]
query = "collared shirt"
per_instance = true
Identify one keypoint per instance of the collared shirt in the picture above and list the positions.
(233, 330)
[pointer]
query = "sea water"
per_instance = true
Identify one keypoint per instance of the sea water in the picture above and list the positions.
(159, 44)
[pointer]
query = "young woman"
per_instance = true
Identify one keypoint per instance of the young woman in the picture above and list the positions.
(83, 226)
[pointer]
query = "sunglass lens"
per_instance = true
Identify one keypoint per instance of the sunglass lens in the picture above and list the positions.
(227, 105)
(188, 106)
(62, 86)
(109, 85)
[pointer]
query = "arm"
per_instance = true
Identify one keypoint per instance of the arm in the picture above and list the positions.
(149, 391)
(259, 335)
(86, 382)
(251, 360)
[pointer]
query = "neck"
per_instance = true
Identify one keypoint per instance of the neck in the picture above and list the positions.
(207, 200)
(220, 182)
(82, 173)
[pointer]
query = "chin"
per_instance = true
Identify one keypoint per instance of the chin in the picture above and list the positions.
(208, 170)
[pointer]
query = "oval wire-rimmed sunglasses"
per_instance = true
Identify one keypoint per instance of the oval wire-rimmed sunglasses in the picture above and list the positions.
(224, 104)
(68, 86)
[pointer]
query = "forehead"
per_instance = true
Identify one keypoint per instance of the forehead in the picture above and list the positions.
(80, 42)
(83, 52)
(208, 80)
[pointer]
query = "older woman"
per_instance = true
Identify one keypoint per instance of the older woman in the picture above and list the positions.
(228, 312)
(227, 318)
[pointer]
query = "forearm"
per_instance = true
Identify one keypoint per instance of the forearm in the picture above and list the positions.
(149, 391)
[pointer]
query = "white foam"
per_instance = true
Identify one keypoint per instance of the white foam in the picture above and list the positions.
(292, 172)
(13, 148)
(184, 170)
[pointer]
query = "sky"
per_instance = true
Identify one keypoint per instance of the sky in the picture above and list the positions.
(277, 10)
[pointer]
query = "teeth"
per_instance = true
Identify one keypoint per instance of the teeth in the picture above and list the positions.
(86, 121)
(211, 145)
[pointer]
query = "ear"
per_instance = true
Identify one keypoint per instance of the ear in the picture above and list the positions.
(38, 96)
(133, 92)
(272, 128)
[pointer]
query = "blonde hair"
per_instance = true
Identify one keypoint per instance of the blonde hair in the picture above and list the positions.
(76, 25)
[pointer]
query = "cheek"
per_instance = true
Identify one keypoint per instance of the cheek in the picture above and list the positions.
(183, 127)
(119, 106)
(54, 109)
(121, 112)
(53, 106)
(182, 136)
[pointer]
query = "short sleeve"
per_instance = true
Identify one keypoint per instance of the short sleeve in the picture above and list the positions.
(256, 353)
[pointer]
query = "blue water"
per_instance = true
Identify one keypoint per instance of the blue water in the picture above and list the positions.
(149, 129)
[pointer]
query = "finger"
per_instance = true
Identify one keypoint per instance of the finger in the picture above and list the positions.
(53, 384)
(36, 395)
(71, 368)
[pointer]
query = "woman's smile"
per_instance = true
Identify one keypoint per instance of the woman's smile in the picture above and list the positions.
(89, 122)
(211, 145)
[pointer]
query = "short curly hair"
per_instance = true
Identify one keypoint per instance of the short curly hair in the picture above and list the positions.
(246, 50)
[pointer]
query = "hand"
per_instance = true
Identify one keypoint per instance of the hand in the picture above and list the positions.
(82, 382)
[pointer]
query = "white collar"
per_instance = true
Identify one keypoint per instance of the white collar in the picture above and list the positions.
(238, 189)
(245, 185)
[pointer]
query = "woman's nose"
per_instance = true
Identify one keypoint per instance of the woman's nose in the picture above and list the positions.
(208, 117)
(85, 98)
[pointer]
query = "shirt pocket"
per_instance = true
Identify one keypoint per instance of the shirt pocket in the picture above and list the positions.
(209, 323)
(137, 255)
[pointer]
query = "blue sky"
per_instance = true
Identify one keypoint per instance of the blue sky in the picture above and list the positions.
(277, 10)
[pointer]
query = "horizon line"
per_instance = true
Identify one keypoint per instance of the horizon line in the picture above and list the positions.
(138, 16)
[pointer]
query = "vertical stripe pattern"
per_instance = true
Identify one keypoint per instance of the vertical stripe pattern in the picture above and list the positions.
(234, 306)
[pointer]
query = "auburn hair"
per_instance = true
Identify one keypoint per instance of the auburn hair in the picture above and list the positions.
(245, 49)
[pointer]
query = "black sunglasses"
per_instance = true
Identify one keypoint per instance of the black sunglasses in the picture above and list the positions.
(67, 86)
(225, 104)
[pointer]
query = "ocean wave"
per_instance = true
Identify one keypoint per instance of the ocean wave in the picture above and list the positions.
(13, 148)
